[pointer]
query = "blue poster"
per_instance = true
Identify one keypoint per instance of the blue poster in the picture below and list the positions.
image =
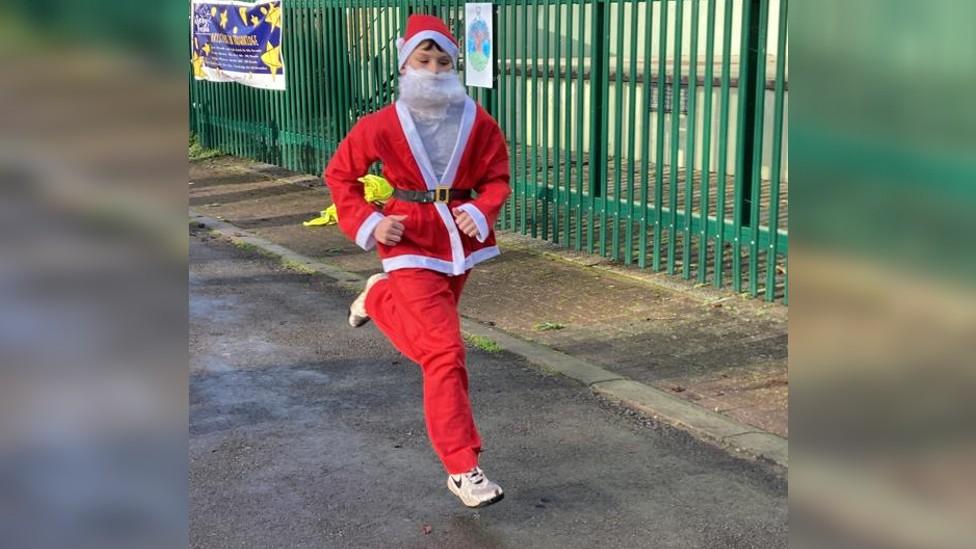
(238, 42)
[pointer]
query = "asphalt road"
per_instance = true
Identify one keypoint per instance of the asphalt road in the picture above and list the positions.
(305, 432)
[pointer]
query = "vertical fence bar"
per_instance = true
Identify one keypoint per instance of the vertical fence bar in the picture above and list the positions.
(295, 91)
(524, 152)
(614, 213)
(290, 94)
(675, 143)
(775, 163)
(511, 32)
(309, 103)
(743, 172)
(706, 170)
(757, 152)
(523, 148)
(723, 143)
(233, 124)
(500, 51)
(356, 54)
(534, 175)
(568, 105)
(659, 157)
(604, 162)
(557, 196)
(335, 87)
(690, 120)
(602, 29)
(544, 195)
(631, 135)
(383, 55)
(578, 120)
(645, 131)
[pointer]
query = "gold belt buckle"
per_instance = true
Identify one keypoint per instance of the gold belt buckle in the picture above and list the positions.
(442, 194)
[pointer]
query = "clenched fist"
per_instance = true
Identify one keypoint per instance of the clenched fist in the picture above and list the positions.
(389, 231)
(465, 222)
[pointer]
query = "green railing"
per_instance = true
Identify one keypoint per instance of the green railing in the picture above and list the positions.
(649, 132)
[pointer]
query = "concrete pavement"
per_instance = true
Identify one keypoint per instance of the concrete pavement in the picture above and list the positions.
(306, 433)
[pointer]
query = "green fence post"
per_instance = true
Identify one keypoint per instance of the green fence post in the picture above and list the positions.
(598, 120)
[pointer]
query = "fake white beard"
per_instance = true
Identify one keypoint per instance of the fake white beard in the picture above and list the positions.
(428, 94)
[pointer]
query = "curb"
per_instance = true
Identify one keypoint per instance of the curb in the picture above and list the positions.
(703, 424)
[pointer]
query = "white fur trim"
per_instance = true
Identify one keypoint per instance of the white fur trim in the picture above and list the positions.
(406, 48)
(411, 261)
(479, 220)
(420, 153)
(364, 236)
(464, 132)
(457, 249)
(416, 145)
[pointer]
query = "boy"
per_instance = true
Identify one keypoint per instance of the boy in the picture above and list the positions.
(436, 146)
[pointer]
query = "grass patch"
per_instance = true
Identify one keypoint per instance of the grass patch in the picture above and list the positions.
(482, 342)
(546, 326)
(251, 248)
(298, 267)
(199, 152)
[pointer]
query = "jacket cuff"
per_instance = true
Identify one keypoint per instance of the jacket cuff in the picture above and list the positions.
(479, 220)
(364, 236)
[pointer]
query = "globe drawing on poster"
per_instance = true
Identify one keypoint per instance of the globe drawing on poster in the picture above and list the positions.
(478, 45)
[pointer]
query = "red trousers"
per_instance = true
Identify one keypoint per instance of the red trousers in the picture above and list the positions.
(417, 310)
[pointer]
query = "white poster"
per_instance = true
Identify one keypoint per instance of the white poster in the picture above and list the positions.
(479, 51)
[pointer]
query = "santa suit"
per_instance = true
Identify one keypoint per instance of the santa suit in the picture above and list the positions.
(416, 307)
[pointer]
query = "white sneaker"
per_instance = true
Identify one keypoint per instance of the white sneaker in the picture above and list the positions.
(474, 489)
(357, 311)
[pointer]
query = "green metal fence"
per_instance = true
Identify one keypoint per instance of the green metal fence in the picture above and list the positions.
(649, 132)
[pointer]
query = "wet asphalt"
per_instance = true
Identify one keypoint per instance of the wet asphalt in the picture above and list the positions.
(305, 432)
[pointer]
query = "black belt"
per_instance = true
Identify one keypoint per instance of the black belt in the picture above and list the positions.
(440, 194)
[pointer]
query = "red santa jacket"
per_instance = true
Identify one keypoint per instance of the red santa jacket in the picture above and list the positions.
(431, 239)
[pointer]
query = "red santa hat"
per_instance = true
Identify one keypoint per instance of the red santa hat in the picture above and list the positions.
(426, 27)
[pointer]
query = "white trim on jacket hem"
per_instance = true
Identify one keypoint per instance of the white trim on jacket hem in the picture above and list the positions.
(364, 236)
(411, 261)
(479, 219)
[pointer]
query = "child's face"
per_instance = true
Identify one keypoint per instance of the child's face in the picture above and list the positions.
(430, 59)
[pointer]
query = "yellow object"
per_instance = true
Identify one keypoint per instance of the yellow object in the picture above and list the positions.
(272, 16)
(375, 189)
(329, 216)
(197, 62)
(272, 59)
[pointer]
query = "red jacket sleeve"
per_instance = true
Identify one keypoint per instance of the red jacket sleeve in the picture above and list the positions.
(493, 184)
(352, 159)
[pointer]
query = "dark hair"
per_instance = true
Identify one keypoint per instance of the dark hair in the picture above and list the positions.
(426, 44)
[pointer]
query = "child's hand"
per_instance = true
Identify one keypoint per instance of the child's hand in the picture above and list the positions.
(389, 231)
(465, 222)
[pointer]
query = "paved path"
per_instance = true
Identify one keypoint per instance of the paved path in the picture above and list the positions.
(306, 433)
